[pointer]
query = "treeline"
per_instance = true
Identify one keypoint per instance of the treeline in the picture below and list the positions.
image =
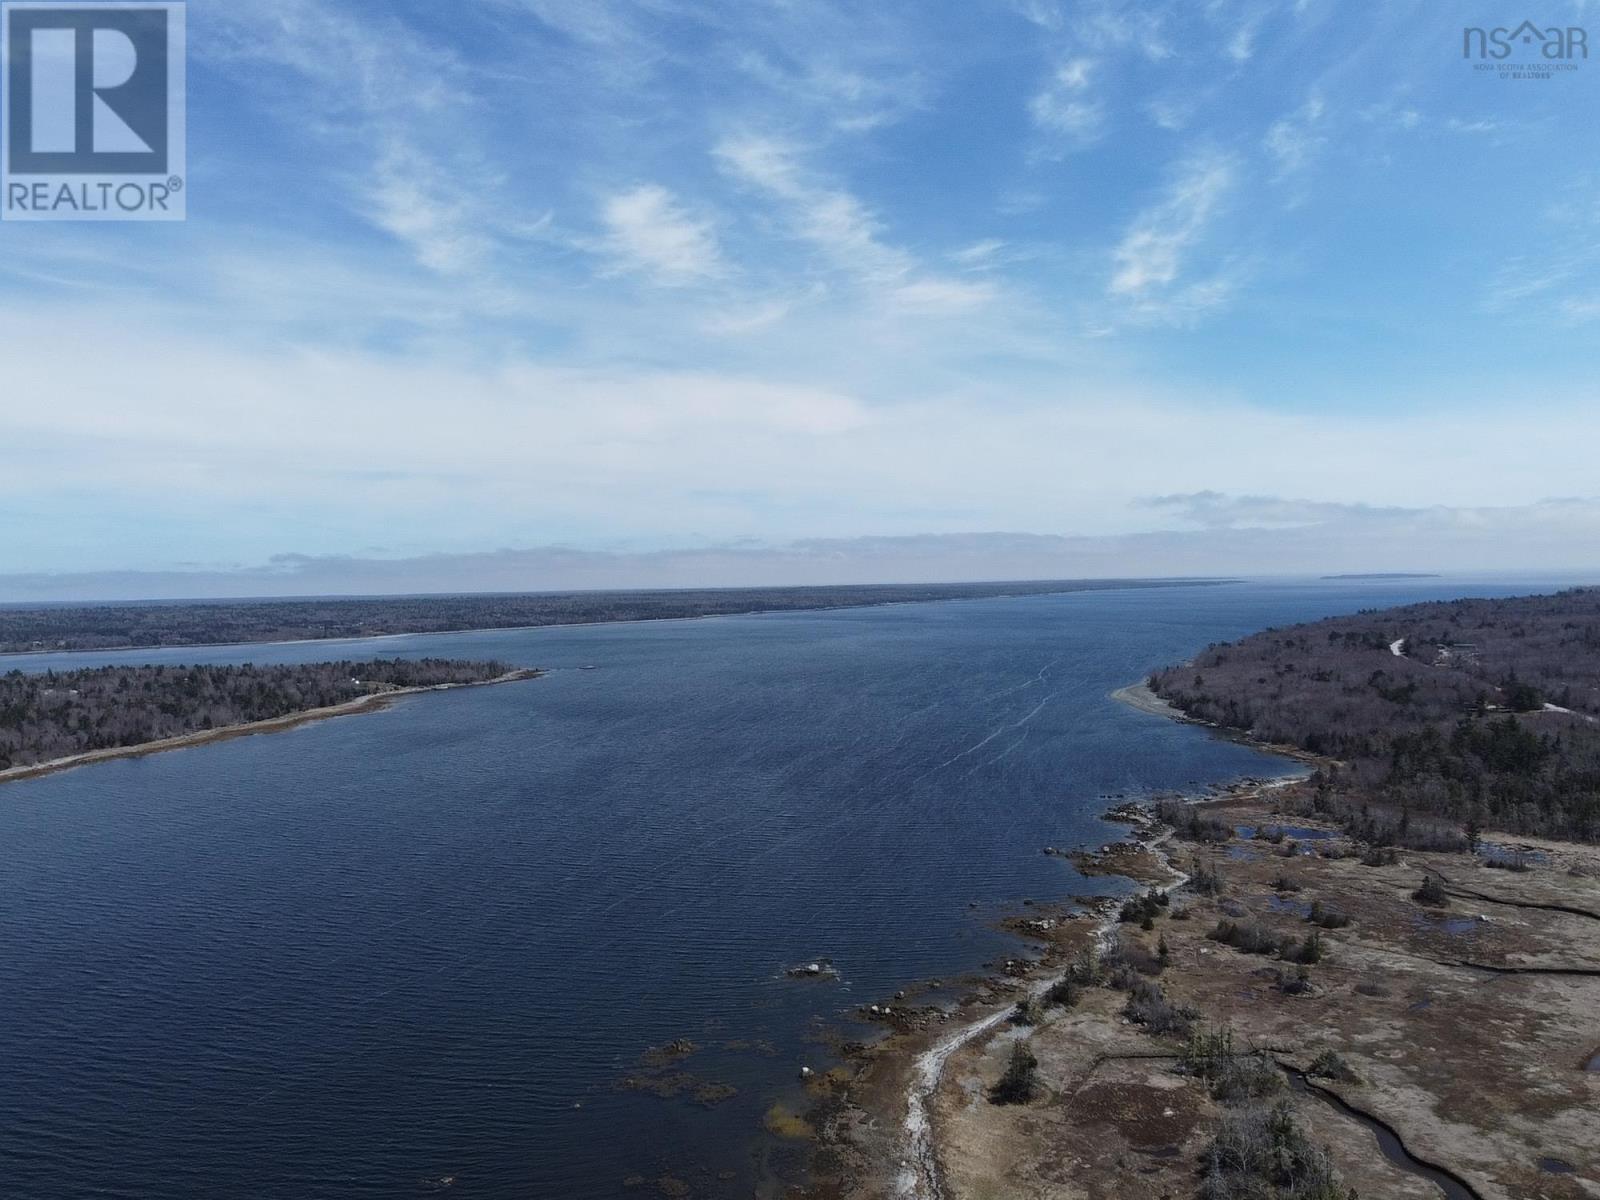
(1478, 711)
(118, 626)
(59, 714)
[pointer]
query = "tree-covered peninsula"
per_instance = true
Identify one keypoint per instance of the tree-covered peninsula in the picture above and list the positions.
(1485, 712)
(55, 715)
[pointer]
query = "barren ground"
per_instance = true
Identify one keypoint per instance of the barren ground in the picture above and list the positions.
(1477, 1064)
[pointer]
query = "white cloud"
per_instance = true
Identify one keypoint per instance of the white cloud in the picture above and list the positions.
(747, 319)
(979, 254)
(943, 295)
(1170, 113)
(1221, 510)
(1242, 37)
(1065, 110)
(841, 227)
(1294, 141)
(213, 439)
(1581, 310)
(1103, 25)
(851, 81)
(1481, 126)
(831, 219)
(649, 232)
(1550, 281)
(400, 110)
(599, 22)
(417, 201)
(1046, 14)
(1150, 262)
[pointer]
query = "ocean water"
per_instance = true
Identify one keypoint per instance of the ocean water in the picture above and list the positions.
(416, 952)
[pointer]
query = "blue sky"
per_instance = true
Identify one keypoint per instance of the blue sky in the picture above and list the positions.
(643, 275)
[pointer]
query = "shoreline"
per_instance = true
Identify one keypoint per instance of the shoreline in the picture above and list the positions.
(1126, 585)
(912, 1165)
(1141, 698)
(922, 1178)
(203, 737)
(925, 1181)
(914, 1123)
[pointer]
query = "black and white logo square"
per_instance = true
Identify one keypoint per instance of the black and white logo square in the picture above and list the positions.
(95, 114)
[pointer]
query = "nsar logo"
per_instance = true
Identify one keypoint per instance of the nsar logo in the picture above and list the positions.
(94, 128)
(1551, 43)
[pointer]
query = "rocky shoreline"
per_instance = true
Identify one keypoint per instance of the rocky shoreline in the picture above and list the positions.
(912, 1115)
(905, 1069)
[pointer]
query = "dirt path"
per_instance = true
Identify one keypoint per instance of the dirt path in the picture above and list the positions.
(921, 1178)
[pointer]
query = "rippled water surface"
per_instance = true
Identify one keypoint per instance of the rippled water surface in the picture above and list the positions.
(414, 952)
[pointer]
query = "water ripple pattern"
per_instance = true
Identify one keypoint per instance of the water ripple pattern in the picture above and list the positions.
(413, 952)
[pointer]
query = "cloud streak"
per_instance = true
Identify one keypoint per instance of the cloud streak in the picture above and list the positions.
(648, 231)
(1065, 109)
(1151, 264)
(847, 234)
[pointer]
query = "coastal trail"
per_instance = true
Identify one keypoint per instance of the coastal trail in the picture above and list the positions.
(920, 1177)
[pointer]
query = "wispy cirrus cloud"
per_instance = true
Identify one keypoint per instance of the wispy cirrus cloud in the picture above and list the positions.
(1172, 113)
(397, 112)
(936, 295)
(1151, 265)
(1103, 25)
(829, 218)
(979, 255)
(1242, 44)
(1065, 110)
(606, 23)
(1553, 278)
(1295, 140)
(422, 205)
(848, 235)
(648, 231)
(839, 94)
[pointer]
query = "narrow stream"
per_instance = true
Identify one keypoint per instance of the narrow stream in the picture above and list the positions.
(1393, 1149)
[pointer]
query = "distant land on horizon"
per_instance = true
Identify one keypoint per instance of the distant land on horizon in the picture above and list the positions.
(1386, 575)
(119, 625)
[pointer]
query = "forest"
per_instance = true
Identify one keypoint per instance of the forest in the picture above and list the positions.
(1482, 712)
(58, 714)
(207, 623)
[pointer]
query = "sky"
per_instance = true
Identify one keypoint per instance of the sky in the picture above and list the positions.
(547, 293)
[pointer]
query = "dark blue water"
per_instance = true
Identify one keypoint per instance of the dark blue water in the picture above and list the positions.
(376, 953)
